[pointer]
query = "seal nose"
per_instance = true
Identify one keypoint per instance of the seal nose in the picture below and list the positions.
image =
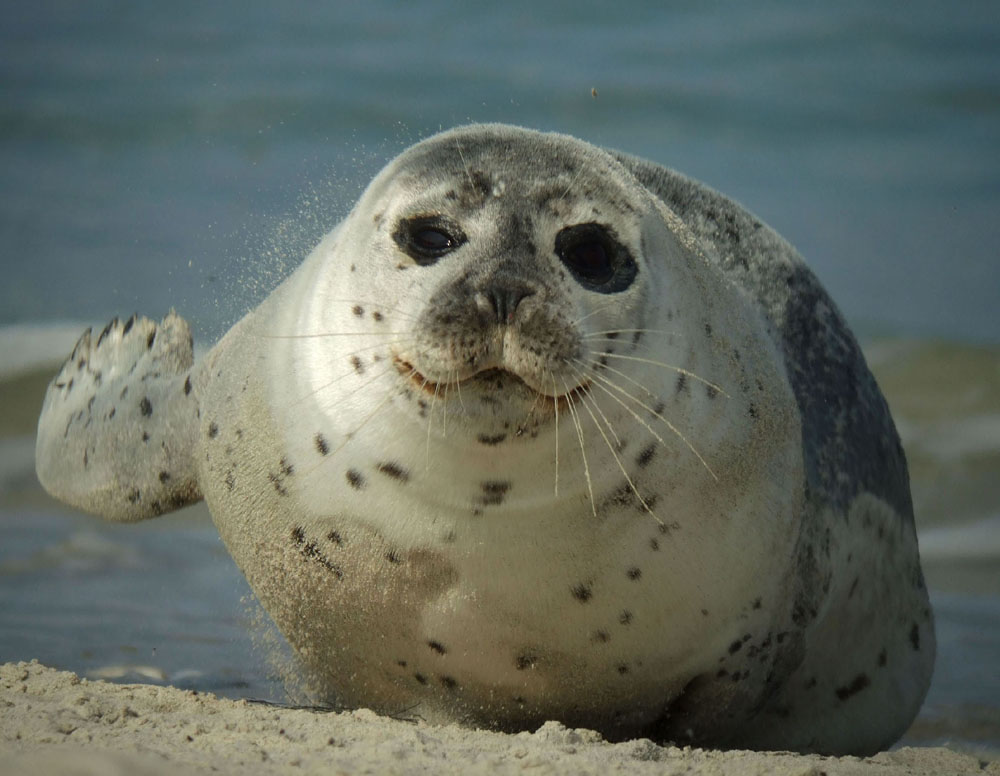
(499, 300)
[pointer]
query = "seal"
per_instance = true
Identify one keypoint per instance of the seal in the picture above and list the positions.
(539, 431)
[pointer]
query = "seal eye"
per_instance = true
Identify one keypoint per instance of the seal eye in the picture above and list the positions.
(433, 240)
(427, 238)
(595, 257)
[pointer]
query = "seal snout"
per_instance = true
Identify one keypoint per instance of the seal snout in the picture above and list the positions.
(498, 301)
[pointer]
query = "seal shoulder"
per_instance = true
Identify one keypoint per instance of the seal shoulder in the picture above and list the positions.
(849, 439)
(118, 426)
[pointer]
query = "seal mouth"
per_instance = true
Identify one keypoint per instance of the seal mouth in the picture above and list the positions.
(484, 377)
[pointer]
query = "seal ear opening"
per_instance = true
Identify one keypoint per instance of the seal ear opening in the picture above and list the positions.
(596, 258)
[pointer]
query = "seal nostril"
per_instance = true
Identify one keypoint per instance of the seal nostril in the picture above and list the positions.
(503, 299)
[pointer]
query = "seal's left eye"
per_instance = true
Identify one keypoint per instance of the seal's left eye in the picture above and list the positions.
(433, 240)
(426, 239)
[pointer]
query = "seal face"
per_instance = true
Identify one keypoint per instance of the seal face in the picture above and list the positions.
(544, 431)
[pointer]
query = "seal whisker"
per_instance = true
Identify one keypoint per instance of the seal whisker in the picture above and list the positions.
(614, 453)
(602, 334)
(679, 370)
(326, 386)
(555, 391)
(592, 313)
(519, 429)
(320, 335)
(327, 458)
(572, 183)
(582, 378)
(583, 449)
(655, 414)
(352, 371)
(465, 164)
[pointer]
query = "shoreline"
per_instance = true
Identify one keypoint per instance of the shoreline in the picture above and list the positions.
(54, 722)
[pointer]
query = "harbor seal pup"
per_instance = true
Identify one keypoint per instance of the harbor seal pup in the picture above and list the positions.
(539, 431)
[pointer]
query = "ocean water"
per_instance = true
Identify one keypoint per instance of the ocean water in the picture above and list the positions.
(189, 154)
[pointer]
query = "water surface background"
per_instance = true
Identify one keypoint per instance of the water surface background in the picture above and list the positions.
(189, 154)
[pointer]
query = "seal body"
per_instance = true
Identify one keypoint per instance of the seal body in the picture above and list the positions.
(542, 431)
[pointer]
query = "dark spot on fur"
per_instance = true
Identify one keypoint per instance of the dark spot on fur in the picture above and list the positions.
(146, 407)
(735, 647)
(230, 479)
(145, 436)
(359, 367)
(634, 573)
(358, 310)
(654, 544)
(582, 592)
(134, 496)
(858, 683)
(187, 385)
(278, 484)
(493, 492)
(393, 557)
(335, 537)
(420, 678)
(377, 316)
(704, 612)
(915, 637)
(321, 444)
(757, 603)
(600, 637)
(525, 661)
(487, 439)
(883, 658)
(437, 646)
(449, 682)
(213, 430)
(150, 340)
(622, 669)
(711, 391)
(393, 470)
(355, 479)
(625, 618)
(164, 477)
(658, 409)
(644, 458)
(311, 551)
(401, 663)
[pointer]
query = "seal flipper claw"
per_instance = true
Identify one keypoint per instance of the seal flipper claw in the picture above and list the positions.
(117, 432)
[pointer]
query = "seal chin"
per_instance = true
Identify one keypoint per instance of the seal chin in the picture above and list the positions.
(496, 384)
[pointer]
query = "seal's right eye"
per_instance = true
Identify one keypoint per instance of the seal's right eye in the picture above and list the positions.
(427, 238)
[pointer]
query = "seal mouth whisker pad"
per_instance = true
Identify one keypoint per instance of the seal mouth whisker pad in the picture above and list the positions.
(435, 448)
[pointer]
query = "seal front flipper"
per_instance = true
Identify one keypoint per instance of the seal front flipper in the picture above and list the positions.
(117, 432)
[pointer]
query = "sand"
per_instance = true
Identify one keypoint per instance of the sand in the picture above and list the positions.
(53, 722)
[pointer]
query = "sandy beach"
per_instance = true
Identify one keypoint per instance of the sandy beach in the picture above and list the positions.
(53, 722)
